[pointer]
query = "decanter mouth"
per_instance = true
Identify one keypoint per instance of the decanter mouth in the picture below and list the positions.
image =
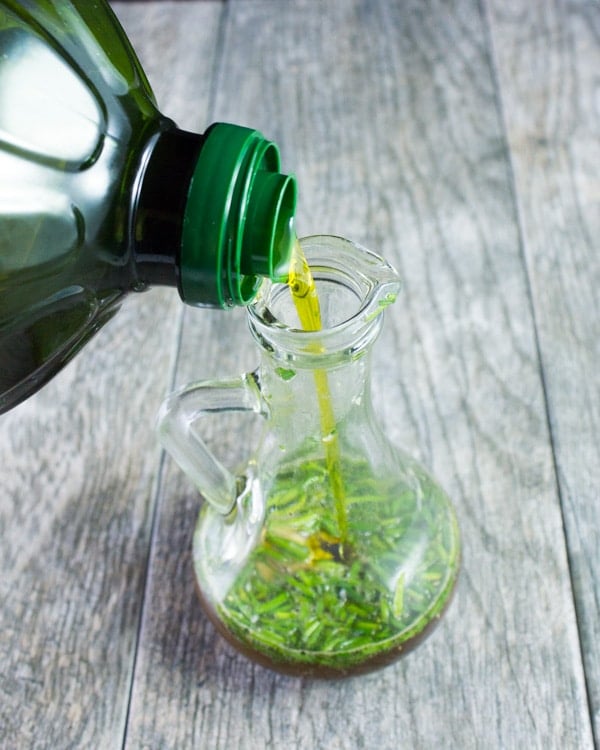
(354, 286)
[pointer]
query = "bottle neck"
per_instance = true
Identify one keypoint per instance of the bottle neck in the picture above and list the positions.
(160, 204)
(212, 214)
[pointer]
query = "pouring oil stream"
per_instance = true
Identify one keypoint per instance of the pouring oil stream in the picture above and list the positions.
(306, 300)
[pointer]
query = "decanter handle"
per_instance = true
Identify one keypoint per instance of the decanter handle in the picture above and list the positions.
(176, 431)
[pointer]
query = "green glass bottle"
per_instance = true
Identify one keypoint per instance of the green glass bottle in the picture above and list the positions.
(100, 194)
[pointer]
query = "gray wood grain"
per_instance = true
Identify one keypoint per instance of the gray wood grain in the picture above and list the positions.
(464, 147)
(78, 467)
(548, 57)
(390, 115)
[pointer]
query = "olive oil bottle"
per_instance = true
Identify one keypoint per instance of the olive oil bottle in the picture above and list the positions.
(101, 194)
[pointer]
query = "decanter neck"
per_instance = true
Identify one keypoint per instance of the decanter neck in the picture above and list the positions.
(299, 391)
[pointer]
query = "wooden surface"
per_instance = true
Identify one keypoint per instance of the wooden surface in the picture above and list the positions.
(462, 141)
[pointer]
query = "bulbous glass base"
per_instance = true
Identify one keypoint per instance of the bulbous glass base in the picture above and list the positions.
(306, 585)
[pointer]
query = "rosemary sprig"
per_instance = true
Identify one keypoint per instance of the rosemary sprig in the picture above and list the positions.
(304, 597)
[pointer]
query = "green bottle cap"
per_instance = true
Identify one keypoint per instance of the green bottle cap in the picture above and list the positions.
(238, 221)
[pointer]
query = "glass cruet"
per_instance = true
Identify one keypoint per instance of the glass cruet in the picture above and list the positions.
(330, 552)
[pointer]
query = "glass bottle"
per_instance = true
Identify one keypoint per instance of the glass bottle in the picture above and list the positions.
(330, 552)
(100, 194)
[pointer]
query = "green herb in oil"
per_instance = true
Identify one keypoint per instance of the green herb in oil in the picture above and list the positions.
(300, 601)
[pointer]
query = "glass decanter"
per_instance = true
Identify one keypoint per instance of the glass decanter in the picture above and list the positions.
(330, 552)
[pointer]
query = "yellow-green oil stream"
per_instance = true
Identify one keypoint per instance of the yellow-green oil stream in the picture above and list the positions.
(306, 301)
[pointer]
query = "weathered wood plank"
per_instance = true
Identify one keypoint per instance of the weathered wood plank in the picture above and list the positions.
(389, 114)
(548, 57)
(78, 465)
